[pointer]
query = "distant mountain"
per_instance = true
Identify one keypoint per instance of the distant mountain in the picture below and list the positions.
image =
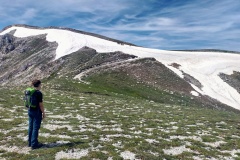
(61, 55)
(209, 50)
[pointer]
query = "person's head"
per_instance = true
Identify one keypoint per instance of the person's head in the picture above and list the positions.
(36, 83)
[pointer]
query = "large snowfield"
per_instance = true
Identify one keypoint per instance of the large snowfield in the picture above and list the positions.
(203, 66)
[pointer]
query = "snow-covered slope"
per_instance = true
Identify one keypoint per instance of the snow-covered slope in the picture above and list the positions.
(203, 66)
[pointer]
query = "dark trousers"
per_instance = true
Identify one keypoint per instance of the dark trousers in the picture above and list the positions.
(35, 119)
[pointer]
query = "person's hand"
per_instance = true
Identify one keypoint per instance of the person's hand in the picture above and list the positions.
(43, 115)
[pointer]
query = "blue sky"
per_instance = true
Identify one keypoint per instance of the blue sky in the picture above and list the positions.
(162, 24)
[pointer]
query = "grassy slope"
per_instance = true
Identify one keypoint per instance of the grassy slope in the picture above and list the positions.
(118, 82)
(106, 124)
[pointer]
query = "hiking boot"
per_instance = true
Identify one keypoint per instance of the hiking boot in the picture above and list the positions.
(40, 145)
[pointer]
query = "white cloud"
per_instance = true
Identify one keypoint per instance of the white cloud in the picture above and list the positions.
(29, 14)
(68, 7)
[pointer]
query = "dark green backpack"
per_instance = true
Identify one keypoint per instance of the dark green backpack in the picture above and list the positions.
(30, 98)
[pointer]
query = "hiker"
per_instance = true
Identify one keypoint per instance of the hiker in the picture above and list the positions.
(36, 114)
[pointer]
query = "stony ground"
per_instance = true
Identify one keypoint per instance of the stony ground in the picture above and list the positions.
(91, 126)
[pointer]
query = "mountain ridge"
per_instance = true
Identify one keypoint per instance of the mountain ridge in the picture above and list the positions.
(68, 29)
(200, 71)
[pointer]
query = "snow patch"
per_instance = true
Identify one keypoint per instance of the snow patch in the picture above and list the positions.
(176, 150)
(71, 154)
(22, 150)
(52, 127)
(57, 136)
(81, 118)
(128, 155)
(215, 144)
(151, 141)
(196, 138)
(194, 93)
(7, 120)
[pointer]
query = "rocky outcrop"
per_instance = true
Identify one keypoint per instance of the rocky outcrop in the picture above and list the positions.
(21, 59)
(7, 43)
(233, 80)
(190, 79)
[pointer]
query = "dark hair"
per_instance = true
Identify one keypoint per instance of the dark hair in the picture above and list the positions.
(36, 83)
